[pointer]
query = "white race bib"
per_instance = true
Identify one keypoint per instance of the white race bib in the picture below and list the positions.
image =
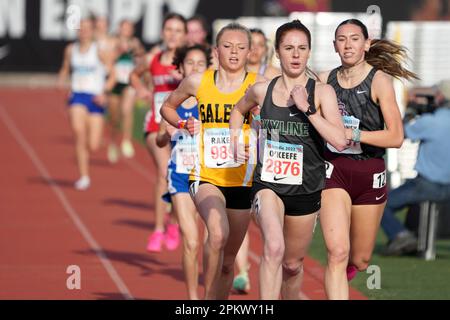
(123, 70)
(352, 123)
(379, 180)
(217, 150)
(186, 154)
(159, 98)
(328, 169)
(83, 82)
(282, 163)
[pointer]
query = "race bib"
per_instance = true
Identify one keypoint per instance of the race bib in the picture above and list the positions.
(352, 123)
(83, 82)
(379, 180)
(123, 70)
(159, 98)
(186, 154)
(328, 169)
(282, 163)
(217, 149)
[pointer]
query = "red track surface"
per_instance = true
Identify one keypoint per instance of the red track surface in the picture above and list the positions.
(46, 226)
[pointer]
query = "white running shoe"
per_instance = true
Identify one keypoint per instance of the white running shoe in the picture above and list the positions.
(113, 153)
(127, 149)
(83, 183)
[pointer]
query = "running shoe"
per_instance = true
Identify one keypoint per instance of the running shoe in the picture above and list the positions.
(113, 153)
(352, 271)
(155, 241)
(83, 183)
(172, 236)
(127, 149)
(241, 283)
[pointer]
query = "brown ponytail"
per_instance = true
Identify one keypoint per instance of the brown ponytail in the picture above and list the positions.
(384, 55)
(388, 56)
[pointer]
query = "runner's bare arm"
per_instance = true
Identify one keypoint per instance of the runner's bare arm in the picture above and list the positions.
(135, 78)
(110, 70)
(383, 93)
(253, 97)
(163, 136)
(187, 88)
(328, 122)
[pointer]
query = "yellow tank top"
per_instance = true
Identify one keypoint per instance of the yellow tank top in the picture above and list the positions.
(216, 164)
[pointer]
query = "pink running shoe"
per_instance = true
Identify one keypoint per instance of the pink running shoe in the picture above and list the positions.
(352, 271)
(155, 241)
(172, 236)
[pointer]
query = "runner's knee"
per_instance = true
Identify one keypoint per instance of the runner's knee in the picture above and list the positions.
(293, 267)
(217, 239)
(361, 262)
(274, 251)
(191, 246)
(338, 254)
(94, 146)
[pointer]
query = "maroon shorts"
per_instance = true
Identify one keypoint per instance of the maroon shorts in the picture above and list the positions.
(364, 180)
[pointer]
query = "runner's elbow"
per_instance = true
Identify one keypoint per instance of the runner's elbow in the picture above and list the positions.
(397, 142)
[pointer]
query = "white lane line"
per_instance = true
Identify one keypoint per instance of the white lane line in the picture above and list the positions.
(140, 169)
(66, 204)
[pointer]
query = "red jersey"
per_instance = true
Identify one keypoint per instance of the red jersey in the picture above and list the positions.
(164, 83)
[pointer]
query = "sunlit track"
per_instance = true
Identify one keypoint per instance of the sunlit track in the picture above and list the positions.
(69, 209)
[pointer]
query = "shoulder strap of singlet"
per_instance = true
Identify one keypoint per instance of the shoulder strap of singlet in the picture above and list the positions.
(332, 76)
(371, 74)
(268, 97)
(311, 89)
(155, 59)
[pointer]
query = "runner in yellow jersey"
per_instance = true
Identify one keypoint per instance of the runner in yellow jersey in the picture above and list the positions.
(219, 186)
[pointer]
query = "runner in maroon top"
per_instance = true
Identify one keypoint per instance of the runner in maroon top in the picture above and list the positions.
(355, 191)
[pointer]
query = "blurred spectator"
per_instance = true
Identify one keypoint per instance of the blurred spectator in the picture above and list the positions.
(433, 180)
(197, 31)
(431, 10)
(259, 58)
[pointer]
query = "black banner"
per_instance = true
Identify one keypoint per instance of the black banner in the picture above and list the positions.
(33, 33)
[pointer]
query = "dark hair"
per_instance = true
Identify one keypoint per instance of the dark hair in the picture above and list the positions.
(234, 26)
(176, 16)
(289, 26)
(295, 25)
(181, 53)
(126, 21)
(383, 55)
(258, 31)
(202, 21)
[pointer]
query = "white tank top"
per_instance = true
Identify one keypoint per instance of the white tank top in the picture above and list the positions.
(88, 72)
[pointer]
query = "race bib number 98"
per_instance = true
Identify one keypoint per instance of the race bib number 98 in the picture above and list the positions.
(282, 163)
(217, 150)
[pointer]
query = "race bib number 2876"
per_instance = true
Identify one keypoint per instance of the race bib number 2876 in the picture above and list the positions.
(282, 163)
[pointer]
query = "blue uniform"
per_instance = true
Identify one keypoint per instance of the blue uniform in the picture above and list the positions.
(179, 182)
